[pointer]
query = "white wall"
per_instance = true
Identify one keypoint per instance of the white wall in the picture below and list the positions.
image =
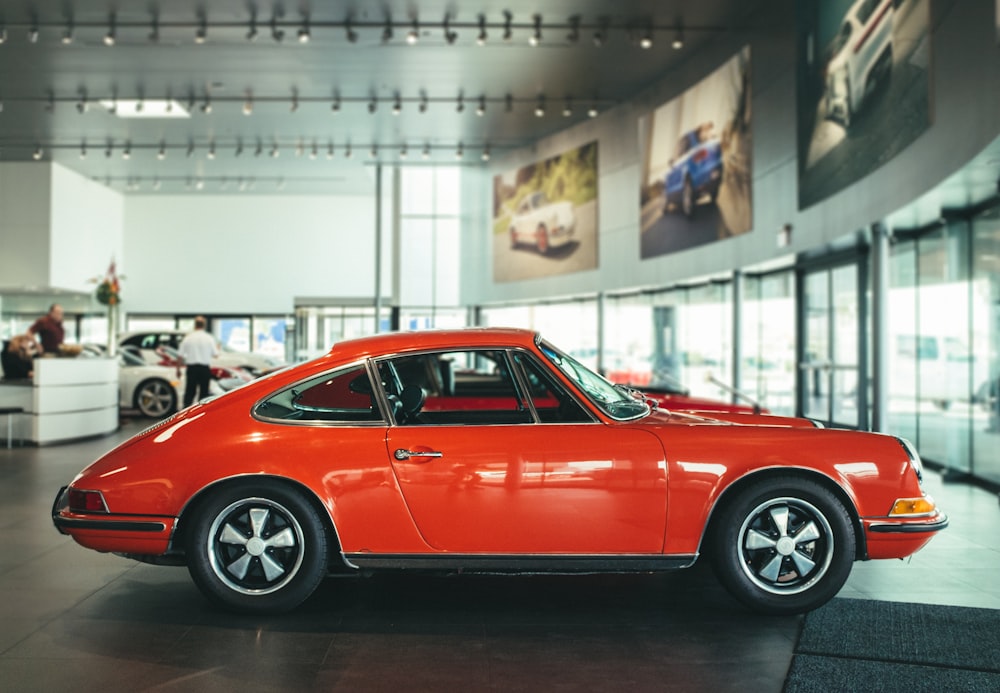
(25, 191)
(245, 254)
(86, 230)
(965, 115)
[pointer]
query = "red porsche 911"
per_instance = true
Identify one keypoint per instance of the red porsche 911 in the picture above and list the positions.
(491, 450)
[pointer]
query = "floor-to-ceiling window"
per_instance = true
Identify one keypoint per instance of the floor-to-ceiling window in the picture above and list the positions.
(768, 341)
(985, 313)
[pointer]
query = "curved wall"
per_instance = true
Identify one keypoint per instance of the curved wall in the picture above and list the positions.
(965, 118)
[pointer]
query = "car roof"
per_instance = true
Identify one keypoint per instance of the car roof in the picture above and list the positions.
(398, 342)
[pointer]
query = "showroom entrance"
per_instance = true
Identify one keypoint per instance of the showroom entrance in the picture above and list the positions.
(833, 341)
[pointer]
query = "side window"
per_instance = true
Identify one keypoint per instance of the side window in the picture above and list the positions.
(453, 388)
(342, 396)
(552, 401)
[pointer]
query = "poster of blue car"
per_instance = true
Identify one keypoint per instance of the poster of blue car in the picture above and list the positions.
(697, 167)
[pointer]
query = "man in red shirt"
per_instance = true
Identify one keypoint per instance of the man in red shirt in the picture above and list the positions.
(49, 329)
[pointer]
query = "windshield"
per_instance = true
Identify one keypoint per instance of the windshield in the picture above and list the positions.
(616, 402)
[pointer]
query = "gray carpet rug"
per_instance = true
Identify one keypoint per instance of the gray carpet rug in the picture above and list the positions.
(860, 645)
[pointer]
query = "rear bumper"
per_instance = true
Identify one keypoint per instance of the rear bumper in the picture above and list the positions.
(113, 533)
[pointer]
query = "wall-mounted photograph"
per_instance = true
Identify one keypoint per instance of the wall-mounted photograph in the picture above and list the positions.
(697, 163)
(545, 217)
(863, 88)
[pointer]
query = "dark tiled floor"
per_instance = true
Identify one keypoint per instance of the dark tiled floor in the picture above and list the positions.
(76, 620)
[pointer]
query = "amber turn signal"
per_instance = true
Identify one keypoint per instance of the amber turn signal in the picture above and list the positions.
(913, 506)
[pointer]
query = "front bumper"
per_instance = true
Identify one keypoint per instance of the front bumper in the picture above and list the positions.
(898, 538)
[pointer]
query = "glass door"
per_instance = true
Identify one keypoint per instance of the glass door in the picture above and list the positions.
(830, 388)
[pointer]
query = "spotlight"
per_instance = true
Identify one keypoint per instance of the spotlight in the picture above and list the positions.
(162, 154)
(211, 150)
(646, 42)
(423, 102)
(387, 31)
(507, 31)
(373, 105)
(592, 111)
(540, 107)
(352, 35)
(314, 153)
(67, 37)
(108, 150)
(568, 108)
(460, 106)
(127, 151)
(449, 35)
(295, 102)
(414, 35)
(277, 34)
(481, 39)
(190, 149)
(536, 37)
(481, 108)
(403, 152)
(486, 153)
(33, 31)
(601, 34)
(109, 38)
(154, 30)
(335, 106)
(397, 106)
(252, 29)
(329, 151)
(678, 41)
(37, 154)
(201, 33)
(304, 33)
(239, 148)
(81, 105)
(426, 154)
(373, 152)
(206, 106)
(3, 34)
(83, 149)
(299, 149)
(460, 151)
(275, 153)
(259, 150)
(248, 105)
(347, 152)
(574, 29)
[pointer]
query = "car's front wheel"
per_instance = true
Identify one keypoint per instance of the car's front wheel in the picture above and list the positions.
(257, 547)
(784, 545)
(155, 398)
(687, 198)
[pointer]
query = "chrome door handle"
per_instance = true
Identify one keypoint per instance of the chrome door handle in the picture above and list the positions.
(402, 454)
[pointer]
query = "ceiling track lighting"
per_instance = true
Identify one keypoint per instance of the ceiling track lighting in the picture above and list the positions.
(481, 38)
(276, 33)
(536, 37)
(201, 33)
(67, 37)
(304, 34)
(646, 42)
(449, 35)
(486, 153)
(507, 25)
(481, 108)
(275, 152)
(248, 105)
(540, 107)
(109, 38)
(162, 153)
(127, 151)
(37, 154)
(414, 34)
(426, 154)
(678, 41)
(397, 105)
(252, 29)
(574, 29)
(568, 108)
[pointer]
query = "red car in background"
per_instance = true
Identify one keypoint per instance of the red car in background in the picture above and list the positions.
(490, 450)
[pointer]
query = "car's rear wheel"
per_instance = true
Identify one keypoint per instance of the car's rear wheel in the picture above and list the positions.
(258, 547)
(155, 398)
(784, 545)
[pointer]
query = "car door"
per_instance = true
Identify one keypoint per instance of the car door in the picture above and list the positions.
(536, 474)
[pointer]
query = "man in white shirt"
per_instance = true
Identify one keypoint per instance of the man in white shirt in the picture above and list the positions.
(197, 350)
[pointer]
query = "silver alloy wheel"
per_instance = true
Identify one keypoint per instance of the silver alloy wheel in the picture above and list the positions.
(155, 398)
(786, 545)
(255, 546)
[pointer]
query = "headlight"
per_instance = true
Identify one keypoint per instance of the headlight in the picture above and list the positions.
(915, 461)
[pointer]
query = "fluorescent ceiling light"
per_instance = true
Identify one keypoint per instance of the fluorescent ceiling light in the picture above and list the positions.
(149, 108)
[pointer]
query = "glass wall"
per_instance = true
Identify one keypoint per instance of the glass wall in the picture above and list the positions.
(985, 312)
(768, 341)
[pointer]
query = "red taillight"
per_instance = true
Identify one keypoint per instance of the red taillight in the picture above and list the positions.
(86, 501)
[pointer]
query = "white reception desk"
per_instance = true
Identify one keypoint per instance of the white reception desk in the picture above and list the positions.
(68, 398)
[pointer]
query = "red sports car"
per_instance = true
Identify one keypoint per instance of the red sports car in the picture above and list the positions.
(490, 450)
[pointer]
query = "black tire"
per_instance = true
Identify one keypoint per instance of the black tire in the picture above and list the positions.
(687, 198)
(258, 547)
(783, 546)
(155, 398)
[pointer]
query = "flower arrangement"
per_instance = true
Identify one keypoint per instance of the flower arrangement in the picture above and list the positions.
(109, 287)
